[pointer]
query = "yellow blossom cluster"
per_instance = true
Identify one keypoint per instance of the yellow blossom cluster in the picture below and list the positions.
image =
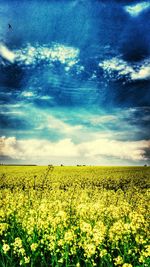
(74, 217)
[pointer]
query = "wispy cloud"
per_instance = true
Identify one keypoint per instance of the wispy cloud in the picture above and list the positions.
(52, 122)
(102, 119)
(55, 124)
(28, 94)
(135, 10)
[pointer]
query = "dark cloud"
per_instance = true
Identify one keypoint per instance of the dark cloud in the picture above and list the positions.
(11, 77)
(135, 40)
(8, 121)
(147, 154)
(130, 94)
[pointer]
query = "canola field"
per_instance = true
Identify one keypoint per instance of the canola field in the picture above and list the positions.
(74, 216)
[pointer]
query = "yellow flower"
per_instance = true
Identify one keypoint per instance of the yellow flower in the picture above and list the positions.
(21, 251)
(85, 227)
(3, 227)
(90, 250)
(18, 242)
(69, 236)
(26, 259)
(61, 260)
(147, 252)
(127, 265)
(118, 260)
(6, 248)
(34, 246)
(103, 253)
(141, 259)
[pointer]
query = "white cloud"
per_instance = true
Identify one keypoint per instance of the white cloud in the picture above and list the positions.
(9, 106)
(31, 55)
(28, 94)
(135, 10)
(12, 112)
(6, 53)
(119, 149)
(35, 150)
(101, 119)
(52, 122)
(8, 147)
(116, 64)
(123, 68)
(62, 126)
(143, 73)
(46, 97)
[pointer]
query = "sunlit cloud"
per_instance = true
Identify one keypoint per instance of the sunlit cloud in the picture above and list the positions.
(143, 73)
(36, 149)
(12, 112)
(96, 120)
(32, 55)
(119, 149)
(135, 10)
(6, 53)
(117, 67)
(27, 94)
(57, 124)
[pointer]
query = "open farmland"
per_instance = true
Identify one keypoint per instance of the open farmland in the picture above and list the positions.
(74, 216)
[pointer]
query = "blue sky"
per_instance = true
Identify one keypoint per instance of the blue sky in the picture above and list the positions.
(75, 82)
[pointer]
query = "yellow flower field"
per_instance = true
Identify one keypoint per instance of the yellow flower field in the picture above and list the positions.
(74, 216)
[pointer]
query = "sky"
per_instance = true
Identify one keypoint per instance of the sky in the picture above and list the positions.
(75, 82)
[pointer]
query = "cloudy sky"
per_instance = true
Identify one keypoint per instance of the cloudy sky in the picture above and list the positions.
(75, 82)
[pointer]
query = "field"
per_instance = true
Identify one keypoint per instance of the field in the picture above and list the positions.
(74, 216)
